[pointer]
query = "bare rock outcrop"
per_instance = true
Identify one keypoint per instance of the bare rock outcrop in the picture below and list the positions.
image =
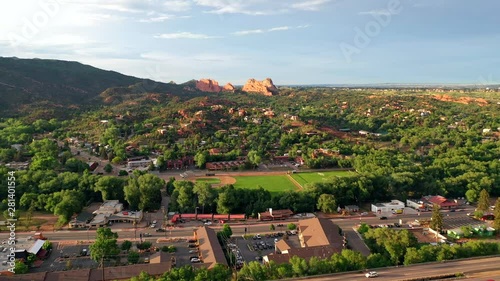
(208, 85)
(228, 88)
(265, 87)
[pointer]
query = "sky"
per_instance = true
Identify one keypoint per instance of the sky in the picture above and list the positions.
(290, 41)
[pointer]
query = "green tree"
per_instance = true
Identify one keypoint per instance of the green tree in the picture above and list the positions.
(327, 203)
(133, 257)
(272, 227)
(483, 204)
(111, 188)
(126, 245)
(108, 168)
(201, 159)
(205, 193)
(254, 158)
(105, 245)
(436, 219)
(226, 230)
(20, 267)
(292, 226)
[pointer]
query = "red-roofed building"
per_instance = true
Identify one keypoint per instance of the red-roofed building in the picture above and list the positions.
(441, 201)
(271, 214)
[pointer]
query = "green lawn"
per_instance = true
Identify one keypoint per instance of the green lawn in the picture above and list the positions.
(209, 180)
(273, 183)
(305, 178)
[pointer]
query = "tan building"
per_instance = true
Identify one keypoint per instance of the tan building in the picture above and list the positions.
(210, 250)
(318, 238)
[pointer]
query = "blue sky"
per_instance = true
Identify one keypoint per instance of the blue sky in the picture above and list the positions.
(291, 41)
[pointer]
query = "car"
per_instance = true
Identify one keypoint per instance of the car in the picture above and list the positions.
(397, 224)
(208, 223)
(383, 218)
(195, 260)
(153, 225)
(192, 246)
(154, 222)
(160, 230)
(84, 252)
(147, 235)
(193, 251)
(257, 236)
(371, 274)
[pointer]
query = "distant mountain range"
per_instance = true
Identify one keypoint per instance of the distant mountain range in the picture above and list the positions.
(39, 82)
(27, 85)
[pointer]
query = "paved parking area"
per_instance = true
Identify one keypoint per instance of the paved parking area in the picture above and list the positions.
(251, 249)
(457, 222)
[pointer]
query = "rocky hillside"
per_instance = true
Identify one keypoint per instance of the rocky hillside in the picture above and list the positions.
(265, 87)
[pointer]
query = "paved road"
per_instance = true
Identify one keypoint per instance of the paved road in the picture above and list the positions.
(238, 229)
(402, 273)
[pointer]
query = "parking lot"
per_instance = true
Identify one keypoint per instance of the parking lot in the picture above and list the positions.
(457, 222)
(254, 248)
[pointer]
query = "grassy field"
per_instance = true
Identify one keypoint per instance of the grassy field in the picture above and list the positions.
(209, 180)
(273, 183)
(305, 178)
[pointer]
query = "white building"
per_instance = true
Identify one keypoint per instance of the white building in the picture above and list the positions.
(109, 207)
(139, 163)
(388, 208)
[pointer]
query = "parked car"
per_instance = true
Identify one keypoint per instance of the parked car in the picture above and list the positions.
(160, 230)
(397, 224)
(371, 274)
(146, 235)
(192, 245)
(208, 223)
(195, 260)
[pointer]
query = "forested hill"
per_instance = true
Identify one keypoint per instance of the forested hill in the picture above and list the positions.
(28, 84)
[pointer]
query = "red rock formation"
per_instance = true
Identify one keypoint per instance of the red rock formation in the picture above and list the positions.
(208, 85)
(228, 88)
(265, 87)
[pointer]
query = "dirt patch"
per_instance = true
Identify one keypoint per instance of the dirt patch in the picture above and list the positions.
(224, 180)
(462, 100)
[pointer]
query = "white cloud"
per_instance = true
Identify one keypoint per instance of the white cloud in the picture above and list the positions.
(247, 32)
(281, 28)
(309, 5)
(177, 5)
(159, 17)
(184, 35)
(246, 7)
(379, 12)
(258, 31)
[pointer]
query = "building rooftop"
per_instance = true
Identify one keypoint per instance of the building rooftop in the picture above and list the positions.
(210, 250)
(320, 232)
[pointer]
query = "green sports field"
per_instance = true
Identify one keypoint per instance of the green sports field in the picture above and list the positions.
(273, 183)
(305, 178)
(209, 180)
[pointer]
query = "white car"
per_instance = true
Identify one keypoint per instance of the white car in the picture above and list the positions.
(208, 223)
(153, 225)
(371, 274)
(195, 260)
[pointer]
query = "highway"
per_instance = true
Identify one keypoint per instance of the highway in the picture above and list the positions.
(469, 267)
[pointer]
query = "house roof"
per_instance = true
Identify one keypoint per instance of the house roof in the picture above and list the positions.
(320, 232)
(282, 245)
(210, 250)
(441, 201)
(36, 247)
